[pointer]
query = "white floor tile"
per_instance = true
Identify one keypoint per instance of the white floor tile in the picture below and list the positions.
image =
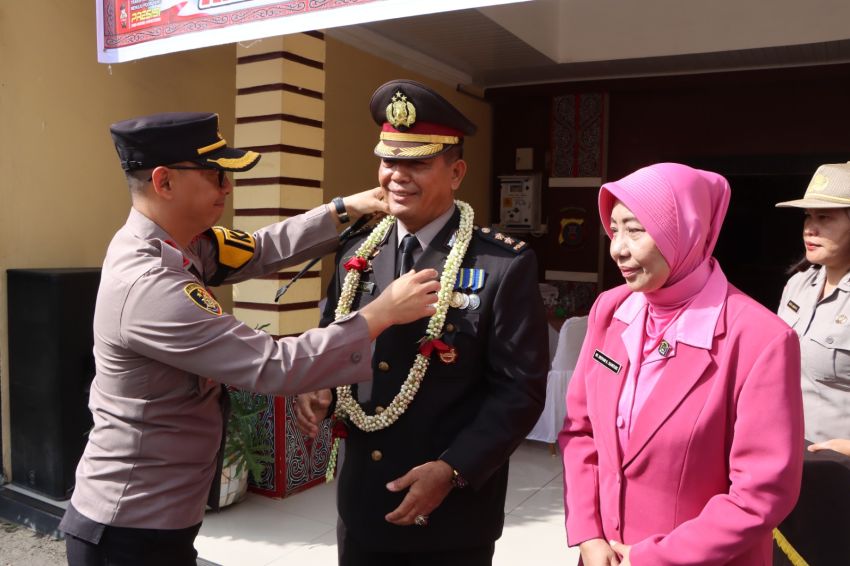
(540, 541)
(320, 552)
(254, 533)
(534, 530)
(317, 503)
(532, 466)
(301, 529)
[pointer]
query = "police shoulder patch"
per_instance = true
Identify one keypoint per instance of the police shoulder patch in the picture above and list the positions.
(202, 298)
(502, 240)
(235, 247)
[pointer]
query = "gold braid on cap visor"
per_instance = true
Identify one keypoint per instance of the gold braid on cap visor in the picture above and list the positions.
(236, 162)
(419, 138)
(385, 150)
(432, 144)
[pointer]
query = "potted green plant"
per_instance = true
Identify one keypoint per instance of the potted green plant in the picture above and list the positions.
(245, 449)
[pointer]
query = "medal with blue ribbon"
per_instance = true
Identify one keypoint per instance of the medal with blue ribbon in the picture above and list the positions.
(471, 280)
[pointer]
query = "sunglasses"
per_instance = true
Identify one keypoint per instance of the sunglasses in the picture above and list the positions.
(221, 172)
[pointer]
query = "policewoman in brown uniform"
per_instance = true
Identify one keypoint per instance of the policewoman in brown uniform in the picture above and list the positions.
(816, 304)
(428, 442)
(163, 346)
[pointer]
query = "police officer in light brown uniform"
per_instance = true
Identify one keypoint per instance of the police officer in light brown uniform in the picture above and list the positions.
(816, 303)
(163, 346)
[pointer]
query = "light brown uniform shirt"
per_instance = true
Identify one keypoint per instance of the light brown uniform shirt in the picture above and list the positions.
(161, 347)
(824, 330)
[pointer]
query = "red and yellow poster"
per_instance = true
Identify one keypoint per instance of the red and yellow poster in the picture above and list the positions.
(133, 29)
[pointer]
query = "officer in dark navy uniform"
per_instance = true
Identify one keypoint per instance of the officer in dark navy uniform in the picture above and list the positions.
(163, 347)
(429, 488)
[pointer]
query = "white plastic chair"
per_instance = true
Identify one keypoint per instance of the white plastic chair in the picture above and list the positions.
(570, 339)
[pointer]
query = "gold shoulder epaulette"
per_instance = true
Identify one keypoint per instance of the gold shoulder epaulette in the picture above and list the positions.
(235, 247)
(503, 240)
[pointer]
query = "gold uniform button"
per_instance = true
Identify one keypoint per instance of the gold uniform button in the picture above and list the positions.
(383, 366)
(379, 410)
(376, 455)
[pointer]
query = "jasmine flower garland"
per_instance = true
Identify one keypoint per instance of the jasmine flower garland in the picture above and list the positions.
(347, 406)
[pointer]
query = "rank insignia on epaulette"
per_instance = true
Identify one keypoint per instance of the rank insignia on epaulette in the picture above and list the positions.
(202, 298)
(504, 240)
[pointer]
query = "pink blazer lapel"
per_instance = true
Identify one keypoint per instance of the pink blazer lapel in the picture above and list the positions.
(679, 377)
(608, 387)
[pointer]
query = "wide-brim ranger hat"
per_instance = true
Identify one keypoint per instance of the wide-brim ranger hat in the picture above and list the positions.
(172, 137)
(829, 188)
(416, 122)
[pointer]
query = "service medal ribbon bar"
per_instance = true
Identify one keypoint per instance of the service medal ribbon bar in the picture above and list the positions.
(470, 279)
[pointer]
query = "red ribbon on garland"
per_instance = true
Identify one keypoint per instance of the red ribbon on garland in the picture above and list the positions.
(339, 429)
(357, 263)
(427, 347)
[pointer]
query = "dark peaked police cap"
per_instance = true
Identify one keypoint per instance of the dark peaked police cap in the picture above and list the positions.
(162, 139)
(416, 122)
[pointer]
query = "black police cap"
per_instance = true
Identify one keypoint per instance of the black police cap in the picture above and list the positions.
(416, 122)
(172, 137)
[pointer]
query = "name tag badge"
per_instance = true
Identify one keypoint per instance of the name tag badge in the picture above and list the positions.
(793, 306)
(366, 287)
(606, 361)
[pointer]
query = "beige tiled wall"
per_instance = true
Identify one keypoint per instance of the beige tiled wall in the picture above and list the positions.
(280, 111)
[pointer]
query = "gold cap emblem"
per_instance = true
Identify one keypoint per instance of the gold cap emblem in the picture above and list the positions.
(400, 111)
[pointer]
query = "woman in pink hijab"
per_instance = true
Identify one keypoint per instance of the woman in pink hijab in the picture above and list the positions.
(683, 440)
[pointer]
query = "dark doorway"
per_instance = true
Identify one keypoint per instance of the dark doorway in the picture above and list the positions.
(759, 241)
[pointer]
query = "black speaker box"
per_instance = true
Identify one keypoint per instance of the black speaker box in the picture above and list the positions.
(51, 367)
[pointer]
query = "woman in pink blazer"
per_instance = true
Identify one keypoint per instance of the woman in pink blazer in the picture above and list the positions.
(683, 440)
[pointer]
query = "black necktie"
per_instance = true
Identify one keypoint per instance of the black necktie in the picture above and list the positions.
(408, 245)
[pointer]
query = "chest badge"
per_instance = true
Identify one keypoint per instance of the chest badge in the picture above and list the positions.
(664, 348)
(609, 363)
(793, 306)
(841, 319)
(449, 356)
(367, 287)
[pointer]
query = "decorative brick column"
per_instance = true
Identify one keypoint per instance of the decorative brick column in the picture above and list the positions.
(280, 111)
